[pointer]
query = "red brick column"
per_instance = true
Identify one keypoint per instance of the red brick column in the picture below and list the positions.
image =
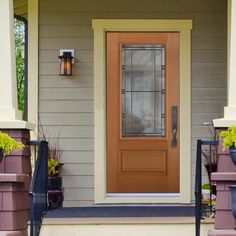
(15, 176)
(225, 176)
(14, 202)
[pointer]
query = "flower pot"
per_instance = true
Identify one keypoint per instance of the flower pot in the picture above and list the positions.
(54, 182)
(233, 199)
(233, 155)
(205, 194)
(55, 199)
(1, 155)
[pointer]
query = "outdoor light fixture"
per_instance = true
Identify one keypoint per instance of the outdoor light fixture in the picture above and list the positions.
(66, 60)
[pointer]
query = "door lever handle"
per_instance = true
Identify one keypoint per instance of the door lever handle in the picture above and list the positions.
(174, 115)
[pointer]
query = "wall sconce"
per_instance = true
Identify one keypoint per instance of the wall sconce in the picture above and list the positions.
(66, 60)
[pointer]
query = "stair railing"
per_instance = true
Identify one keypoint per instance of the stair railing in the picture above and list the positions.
(199, 210)
(38, 187)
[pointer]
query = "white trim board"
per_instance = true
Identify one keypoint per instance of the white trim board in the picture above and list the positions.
(126, 25)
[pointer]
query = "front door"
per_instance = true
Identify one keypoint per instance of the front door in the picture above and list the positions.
(142, 112)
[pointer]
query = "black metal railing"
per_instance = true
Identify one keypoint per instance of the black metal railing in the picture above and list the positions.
(211, 147)
(38, 188)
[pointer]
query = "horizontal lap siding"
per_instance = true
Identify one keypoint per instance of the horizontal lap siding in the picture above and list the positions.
(66, 104)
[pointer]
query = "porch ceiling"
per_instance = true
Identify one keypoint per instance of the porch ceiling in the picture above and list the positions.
(21, 7)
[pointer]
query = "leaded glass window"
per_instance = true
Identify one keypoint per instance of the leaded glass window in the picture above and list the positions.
(143, 90)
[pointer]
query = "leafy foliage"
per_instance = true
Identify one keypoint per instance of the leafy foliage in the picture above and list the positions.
(206, 186)
(20, 66)
(8, 144)
(53, 167)
(229, 137)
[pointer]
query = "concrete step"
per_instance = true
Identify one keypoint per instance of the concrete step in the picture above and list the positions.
(123, 226)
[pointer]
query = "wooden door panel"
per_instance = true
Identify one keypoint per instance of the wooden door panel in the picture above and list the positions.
(132, 161)
(146, 162)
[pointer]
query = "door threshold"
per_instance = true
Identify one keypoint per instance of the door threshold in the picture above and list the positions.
(143, 195)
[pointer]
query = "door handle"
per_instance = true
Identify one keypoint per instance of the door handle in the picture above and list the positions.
(174, 116)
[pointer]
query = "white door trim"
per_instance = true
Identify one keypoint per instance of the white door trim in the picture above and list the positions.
(100, 28)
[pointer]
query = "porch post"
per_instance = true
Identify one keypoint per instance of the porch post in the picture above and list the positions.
(230, 110)
(8, 94)
(232, 55)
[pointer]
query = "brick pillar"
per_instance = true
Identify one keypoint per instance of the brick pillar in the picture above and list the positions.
(225, 176)
(14, 203)
(15, 177)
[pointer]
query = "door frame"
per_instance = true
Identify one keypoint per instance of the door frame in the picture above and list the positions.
(101, 26)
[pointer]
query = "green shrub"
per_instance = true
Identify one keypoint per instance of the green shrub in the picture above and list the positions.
(8, 144)
(206, 186)
(229, 137)
(53, 167)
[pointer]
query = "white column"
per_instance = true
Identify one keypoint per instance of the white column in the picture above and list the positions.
(8, 94)
(230, 111)
(10, 116)
(232, 54)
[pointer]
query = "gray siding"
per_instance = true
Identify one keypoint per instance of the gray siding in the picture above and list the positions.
(67, 104)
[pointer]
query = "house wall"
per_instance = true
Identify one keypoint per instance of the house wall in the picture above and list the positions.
(66, 104)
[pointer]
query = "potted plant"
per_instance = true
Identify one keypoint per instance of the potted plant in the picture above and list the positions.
(8, 144)
(208, 200)
(55, 188)
(229, 142)
(206, 189)
(54, 178)
(54, 165)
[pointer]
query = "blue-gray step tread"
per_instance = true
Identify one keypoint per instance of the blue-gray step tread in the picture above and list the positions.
(122, 211)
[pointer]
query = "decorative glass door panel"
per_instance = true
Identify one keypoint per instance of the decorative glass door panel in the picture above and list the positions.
(143, 90)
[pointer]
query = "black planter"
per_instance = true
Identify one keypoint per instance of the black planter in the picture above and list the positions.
(233, 199)
(55, 199)
(1, 155)
(54, 182)
(233, 155)
(55, 192)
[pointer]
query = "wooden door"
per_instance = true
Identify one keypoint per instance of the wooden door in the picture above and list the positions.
(142, 112)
